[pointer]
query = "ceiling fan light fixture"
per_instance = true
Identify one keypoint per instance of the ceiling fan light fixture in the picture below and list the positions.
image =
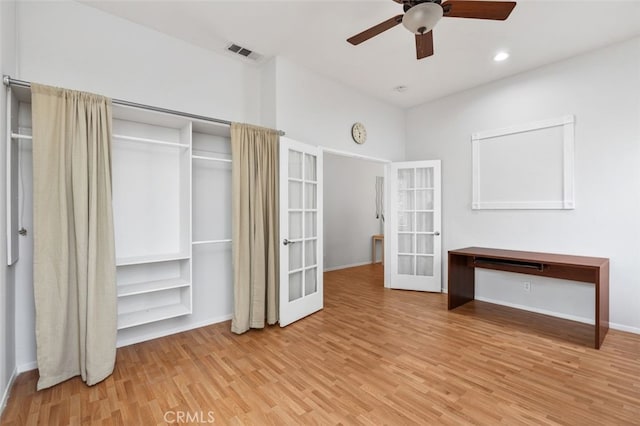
(421, 18)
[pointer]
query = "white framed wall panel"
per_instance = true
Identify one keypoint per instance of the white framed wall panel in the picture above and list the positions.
(526, 166)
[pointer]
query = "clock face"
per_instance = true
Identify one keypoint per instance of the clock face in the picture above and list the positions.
(358, 133)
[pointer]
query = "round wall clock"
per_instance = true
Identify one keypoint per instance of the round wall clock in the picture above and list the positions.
(358, 133)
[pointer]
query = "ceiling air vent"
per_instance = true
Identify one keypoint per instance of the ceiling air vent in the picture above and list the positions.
(239, 50)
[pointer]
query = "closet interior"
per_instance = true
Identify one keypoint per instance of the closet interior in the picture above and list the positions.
(172, 217)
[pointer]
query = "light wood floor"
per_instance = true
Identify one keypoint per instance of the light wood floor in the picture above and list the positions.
(372, 356)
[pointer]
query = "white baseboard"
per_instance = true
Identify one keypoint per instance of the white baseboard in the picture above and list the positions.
(352, 265)
(622, 327)
(612, 325)
(538, 310)
(32, 365)
(27, 366)
(168, 332)
(7, 391)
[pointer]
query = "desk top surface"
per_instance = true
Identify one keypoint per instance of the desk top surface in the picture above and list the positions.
(531, 256)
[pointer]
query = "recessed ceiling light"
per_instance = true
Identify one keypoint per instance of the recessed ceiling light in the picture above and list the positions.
(400, 89)
(500, 56)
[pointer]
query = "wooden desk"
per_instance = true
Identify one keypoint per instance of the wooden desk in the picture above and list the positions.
(377, 237)
(593, 270)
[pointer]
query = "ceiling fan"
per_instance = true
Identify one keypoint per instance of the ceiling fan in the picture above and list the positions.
(420, 16)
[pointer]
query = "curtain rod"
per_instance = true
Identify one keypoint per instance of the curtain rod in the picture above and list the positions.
(8, 81)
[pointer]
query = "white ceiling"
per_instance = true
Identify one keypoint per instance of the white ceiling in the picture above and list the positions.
(313, 34)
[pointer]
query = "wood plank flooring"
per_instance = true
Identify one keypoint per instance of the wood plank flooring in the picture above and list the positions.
(372, 356)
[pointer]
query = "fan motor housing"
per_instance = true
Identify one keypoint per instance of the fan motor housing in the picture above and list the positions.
(410, 3)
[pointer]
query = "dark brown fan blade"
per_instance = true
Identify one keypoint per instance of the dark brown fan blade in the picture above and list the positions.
(375, 30)
(424, 45)
(496, 10)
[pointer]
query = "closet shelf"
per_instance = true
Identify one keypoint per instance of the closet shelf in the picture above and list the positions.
(138, 260)
(151, 315)
(152, 141)
(211, 241)
(151, 286)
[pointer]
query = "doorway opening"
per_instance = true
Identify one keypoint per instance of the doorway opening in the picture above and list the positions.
(354, 213)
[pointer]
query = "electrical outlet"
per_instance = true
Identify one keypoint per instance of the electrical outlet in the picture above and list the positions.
(527, 286)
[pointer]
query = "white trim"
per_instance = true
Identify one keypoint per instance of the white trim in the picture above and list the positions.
(538, 310)
(568, 167)
(626, 328)
(568, 153)
(167, 332)
(520, 205)
(7, 391)
(352, 155)
(8, 183)
(612, 325)
(527, 127)
(27, 366)
(32, 365)
(475, 165)
(351, 265)
(22, 368)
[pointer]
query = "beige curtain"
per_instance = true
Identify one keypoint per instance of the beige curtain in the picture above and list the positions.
(74, 252)
(255, 226)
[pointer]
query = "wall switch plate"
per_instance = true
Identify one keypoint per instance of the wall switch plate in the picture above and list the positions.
(527, 286)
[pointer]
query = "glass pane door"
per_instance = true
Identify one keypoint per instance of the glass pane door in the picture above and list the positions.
(303, 225)
(301, 231)
(415, 221)
(414, 224)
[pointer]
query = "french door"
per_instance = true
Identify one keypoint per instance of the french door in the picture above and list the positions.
(412, 239)
(301, 286)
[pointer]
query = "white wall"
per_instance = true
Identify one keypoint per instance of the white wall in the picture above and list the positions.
(75, 46)
(268, 111)
(7, 282)
(602, 89)
(319, 111)
(349, 199)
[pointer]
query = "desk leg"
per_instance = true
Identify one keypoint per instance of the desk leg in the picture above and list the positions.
(373, 250)
(602, 305)
(461, 281)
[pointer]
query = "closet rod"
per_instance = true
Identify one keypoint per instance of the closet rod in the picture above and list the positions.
(20, 136)
(200, 157)
(8, 81)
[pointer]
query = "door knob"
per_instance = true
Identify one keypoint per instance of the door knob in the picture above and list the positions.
(287, 242)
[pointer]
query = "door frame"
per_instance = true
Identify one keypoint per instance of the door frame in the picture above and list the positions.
(386, 164)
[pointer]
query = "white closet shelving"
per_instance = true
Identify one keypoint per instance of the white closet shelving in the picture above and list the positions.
(172, 192)
(152, 215)
(211, 157)
(172, 216)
